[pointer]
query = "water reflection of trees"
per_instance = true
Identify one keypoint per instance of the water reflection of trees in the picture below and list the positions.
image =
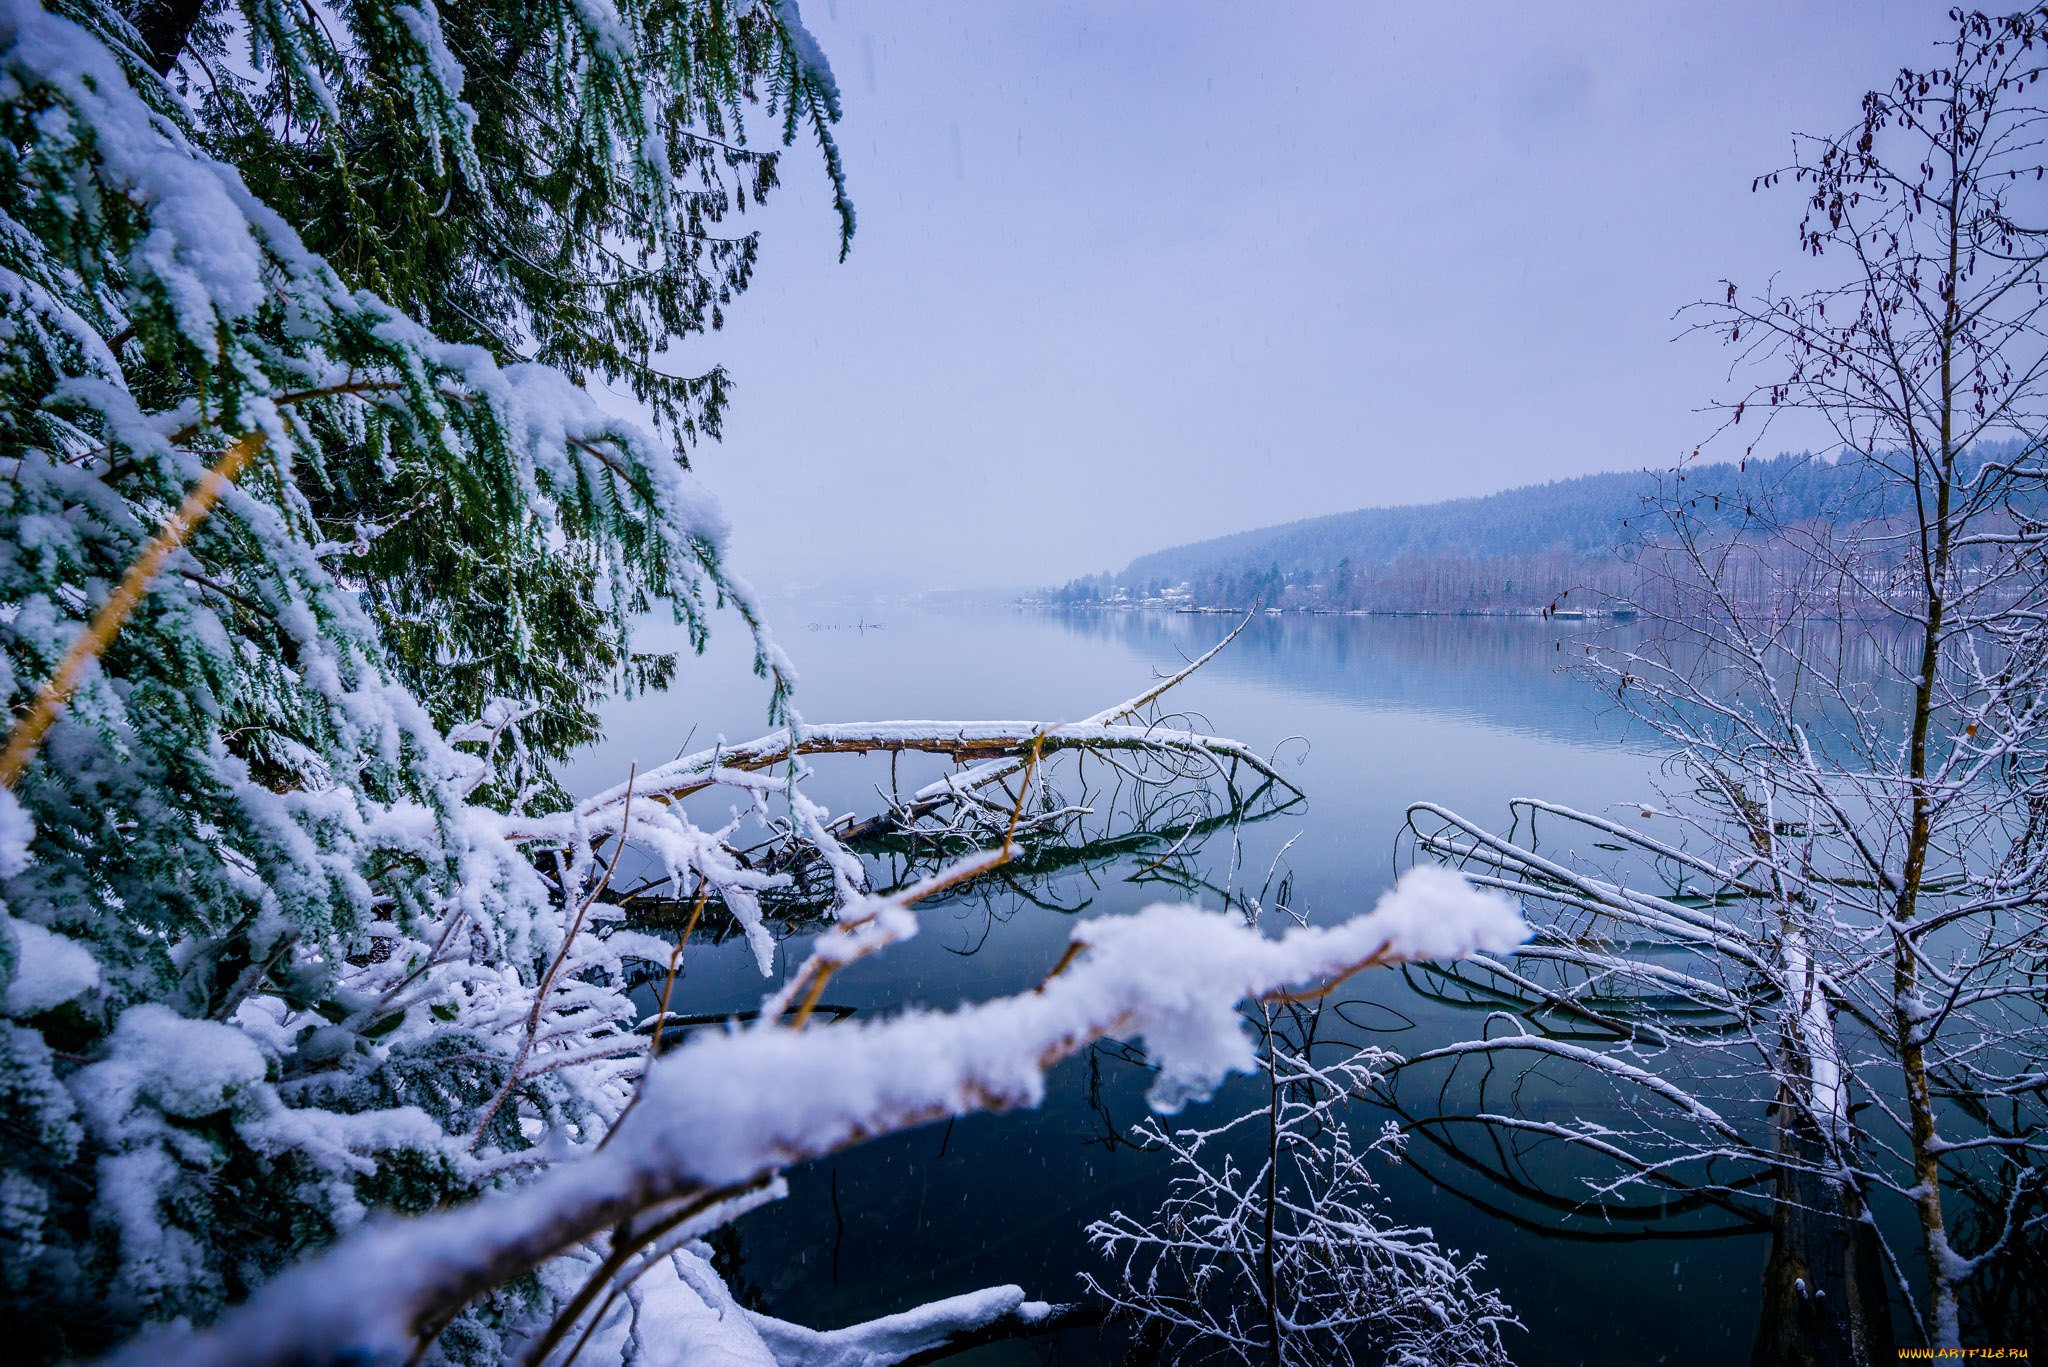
(1086, 819)
(1134, 787)
(1517, 672)
(1631, 1078)
(1505, 671)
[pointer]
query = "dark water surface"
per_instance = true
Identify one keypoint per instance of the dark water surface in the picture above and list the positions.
(1366, 715)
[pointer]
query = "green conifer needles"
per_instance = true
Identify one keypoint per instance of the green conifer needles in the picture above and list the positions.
(255, 911)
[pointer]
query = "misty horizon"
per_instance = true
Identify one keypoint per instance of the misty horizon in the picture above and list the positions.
(1129, 279)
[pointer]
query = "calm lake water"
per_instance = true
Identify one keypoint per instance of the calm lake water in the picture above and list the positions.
(1367, 715)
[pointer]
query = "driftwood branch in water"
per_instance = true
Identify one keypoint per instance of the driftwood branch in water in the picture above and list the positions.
(1001, 749)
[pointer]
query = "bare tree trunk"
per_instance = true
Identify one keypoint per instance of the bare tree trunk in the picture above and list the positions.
(1825, 1298)
(165, 25)
(1269, 1270)
(1943, 1329)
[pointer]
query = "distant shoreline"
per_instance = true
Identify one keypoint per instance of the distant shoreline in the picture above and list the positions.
(1526, 614)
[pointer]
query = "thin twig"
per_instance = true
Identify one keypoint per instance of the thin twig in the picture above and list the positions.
(27, 735)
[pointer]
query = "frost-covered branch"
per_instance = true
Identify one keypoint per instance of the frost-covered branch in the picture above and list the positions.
(705, 1128)
(960, 741)
(1272, 1246)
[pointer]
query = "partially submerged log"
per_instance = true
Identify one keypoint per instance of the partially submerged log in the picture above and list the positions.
(1825, 1293)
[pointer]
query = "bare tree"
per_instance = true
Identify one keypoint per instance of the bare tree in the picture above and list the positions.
(1272, 1248)
(1851, 931)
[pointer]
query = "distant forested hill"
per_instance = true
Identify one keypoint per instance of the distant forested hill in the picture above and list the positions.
(1511, 551)
(1583, 515)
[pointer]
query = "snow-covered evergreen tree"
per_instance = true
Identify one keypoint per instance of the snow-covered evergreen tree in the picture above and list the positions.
(367, 251)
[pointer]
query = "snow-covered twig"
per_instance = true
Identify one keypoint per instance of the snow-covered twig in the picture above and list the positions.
(705, 1128)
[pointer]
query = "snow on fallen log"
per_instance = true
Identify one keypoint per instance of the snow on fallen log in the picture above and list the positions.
(691, 772)
(958, 739)
(994, 771)
(723, 1113)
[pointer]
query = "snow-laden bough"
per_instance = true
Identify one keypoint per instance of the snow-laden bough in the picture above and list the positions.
(706, 1127)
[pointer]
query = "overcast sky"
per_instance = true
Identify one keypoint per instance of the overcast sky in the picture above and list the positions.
(1131, 274)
